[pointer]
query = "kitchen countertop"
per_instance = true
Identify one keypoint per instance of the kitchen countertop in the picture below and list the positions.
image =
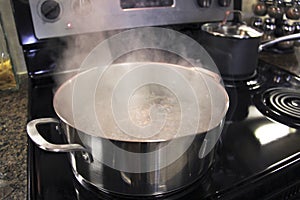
(13, 142)
(287, 61)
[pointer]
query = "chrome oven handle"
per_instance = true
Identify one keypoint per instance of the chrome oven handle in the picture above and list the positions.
(36, 137)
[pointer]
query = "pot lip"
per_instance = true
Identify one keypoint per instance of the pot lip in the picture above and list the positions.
(210, 28)
(211, 74)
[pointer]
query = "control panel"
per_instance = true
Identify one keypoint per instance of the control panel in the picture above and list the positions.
(125, 4)
(56, 18)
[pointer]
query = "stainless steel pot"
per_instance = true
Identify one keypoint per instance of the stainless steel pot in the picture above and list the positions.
(235, 47)
(105, 156)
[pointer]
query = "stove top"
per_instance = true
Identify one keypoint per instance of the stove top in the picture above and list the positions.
(257, 158)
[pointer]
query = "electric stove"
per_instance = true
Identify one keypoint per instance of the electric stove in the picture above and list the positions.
(258, 156)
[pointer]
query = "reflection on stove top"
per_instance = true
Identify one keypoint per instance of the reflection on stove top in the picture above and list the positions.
(251, 83)
(293, 80)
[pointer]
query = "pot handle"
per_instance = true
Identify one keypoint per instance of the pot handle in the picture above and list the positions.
(36, 137)
(228, 12)
(294, 36)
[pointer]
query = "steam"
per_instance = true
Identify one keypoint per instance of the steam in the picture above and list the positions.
(104, 50)
(79, 47)
(122, 74)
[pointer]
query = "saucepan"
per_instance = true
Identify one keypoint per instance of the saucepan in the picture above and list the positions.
(156, 139)
(235, 47)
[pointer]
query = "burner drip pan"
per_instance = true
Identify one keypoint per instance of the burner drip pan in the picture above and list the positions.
(251, 83)
(281, 104)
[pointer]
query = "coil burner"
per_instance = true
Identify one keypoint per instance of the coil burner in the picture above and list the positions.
(281, 104)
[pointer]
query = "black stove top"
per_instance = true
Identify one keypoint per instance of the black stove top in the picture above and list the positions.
(258, 158)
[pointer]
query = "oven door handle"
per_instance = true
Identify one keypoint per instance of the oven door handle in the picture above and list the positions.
(36, 137)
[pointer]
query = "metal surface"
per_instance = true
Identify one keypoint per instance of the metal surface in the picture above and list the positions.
(95, 16)
(183, 172)
(238, 29)
(281, 104)
(94, 173)
(109, 149)
(295, 36)
(81, 104)
(232, 30)
(235, 58)
(43, 144)
(235, 48)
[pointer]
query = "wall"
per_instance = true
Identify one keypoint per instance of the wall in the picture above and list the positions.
(13, 42)
(247, 9)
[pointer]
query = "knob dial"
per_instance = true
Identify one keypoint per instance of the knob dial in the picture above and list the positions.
(224, 3)
(50, 10)
(204, 3)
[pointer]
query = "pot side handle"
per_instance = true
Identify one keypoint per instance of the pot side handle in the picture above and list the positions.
(36, 137)
(294, 36)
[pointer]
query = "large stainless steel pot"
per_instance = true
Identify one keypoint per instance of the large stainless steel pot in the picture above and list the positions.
(105, 156)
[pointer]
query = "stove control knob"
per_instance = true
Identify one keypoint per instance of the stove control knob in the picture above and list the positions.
(224, 3)
(50, 10)
(204, 3)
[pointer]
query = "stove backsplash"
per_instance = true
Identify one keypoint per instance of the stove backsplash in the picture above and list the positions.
(247, 8)
(63, 18)
(275, 18)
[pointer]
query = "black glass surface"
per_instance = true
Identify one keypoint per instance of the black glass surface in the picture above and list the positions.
(23, 21)
(244, 167)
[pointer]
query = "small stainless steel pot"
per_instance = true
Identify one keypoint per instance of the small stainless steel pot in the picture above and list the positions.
(101, 159)
(235, 47)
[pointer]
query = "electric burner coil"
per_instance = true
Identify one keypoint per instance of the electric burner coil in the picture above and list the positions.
(280, 104)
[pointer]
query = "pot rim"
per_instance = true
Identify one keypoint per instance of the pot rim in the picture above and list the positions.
(211, 74)
(248, 31)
